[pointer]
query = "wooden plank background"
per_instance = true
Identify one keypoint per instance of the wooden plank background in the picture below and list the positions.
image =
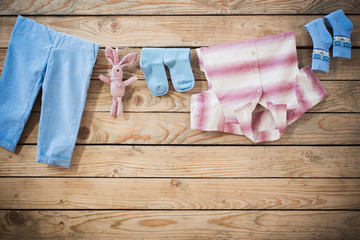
(147, 175)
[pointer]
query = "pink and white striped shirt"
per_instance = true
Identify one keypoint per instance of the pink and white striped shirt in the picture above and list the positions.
(255, 88)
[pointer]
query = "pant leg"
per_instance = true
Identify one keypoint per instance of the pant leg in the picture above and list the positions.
(65, 87)
(21, 78)
(309, 92)
(206, 112)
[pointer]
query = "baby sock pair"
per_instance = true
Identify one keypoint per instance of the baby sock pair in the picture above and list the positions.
(322, 39)
(152, 62)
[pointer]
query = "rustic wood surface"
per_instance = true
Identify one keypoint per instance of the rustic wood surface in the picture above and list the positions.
(174, 193)
(174, 128)
(343, 94)
(175, 31)
(180, 224)
(340, 68)
(343, 97)
(163, 7)
(206, 161)
(147, 175)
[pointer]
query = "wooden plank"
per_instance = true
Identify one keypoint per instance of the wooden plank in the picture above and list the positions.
(129, 31)
(340, 68)
(180, 224)
(174, 128)
(162, 7)
(343, 97)
(166, 193)
(175, 161)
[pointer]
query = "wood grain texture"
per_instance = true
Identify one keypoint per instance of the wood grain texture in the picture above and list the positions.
(180, 225)
(175, 161)
(174, 128)
(130, 31)
(163, 7)
(174, 193)
(340, 68)
(118, 177)
(343, 97)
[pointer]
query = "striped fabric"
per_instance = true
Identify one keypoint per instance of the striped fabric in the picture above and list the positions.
(255, 88)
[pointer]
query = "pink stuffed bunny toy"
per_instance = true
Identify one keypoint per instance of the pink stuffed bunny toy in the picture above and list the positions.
(116, 75)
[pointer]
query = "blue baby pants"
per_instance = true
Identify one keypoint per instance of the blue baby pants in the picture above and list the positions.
(61, 64)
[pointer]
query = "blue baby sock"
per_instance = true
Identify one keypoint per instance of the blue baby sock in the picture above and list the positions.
(152, 65)
(322, 41)
(178, 62)
(342, 28)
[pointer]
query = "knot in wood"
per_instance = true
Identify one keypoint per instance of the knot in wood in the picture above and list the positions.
(115, 27)
(138, 100)
(15, 218)
(175, 182)
(84, 133)
(307, 154)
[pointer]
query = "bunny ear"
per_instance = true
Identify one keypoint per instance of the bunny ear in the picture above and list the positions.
(128, 59)
(116, 56)
(110, 55)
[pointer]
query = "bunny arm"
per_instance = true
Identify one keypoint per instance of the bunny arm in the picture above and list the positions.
(105, 79)
(130, 81)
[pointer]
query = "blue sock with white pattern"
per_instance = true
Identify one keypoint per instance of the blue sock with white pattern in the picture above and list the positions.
(342, 28)
(322, 41)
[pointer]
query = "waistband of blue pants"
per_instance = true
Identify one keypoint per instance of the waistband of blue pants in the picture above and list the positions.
(57, 36)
